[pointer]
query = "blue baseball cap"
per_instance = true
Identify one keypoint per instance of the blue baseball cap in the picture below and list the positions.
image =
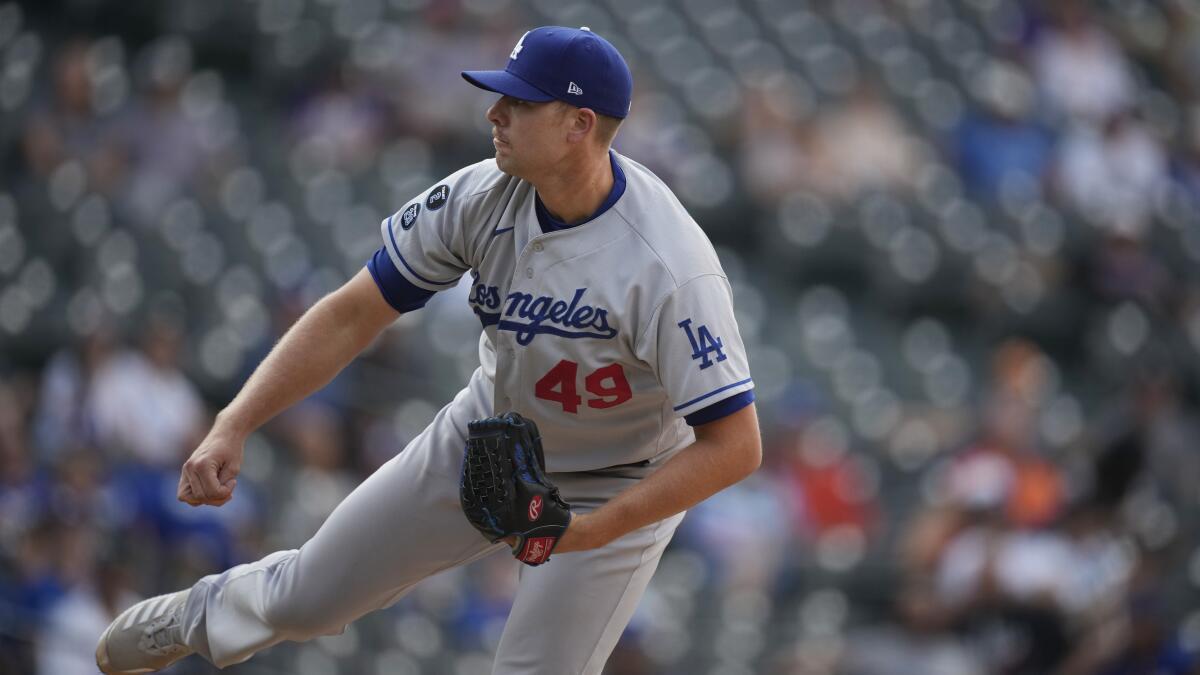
(573, 65)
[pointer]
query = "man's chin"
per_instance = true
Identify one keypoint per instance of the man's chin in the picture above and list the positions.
(505, 164)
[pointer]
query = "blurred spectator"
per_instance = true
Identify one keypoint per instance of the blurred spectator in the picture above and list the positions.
(916, 639)
(774, 157)
(344, 118)
(1112, 174)
(1080, 69)
(313, 432)
(1002, 142)
(829, 483)
(488, 597)
(81, 495)
(22, 486)
(998, 585)
(168, 146)
(1099, 566)
(31, 583)
(1135, 640)
(429, 103)
(1002, 469)
(66, 415)
(741, 519)
(67, 645)
(1149, 442)
(861, 145)
(1150, 647)
(146, 408)
(27, 582)
(67, 127)
(1124, 269)
(658, 132)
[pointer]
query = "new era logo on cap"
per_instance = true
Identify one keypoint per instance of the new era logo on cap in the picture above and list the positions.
(574, 89)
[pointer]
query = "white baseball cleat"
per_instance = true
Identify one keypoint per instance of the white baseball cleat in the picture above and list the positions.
(144, 638)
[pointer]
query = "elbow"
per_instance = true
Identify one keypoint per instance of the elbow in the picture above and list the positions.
(749, 458)
(735, 443)
(756, 455)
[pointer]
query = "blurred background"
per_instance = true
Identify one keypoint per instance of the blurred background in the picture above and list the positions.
(963, 239)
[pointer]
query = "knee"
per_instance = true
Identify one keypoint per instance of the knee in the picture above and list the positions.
(303, 616)
(287, 600)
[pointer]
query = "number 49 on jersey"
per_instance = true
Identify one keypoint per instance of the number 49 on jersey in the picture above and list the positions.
(608, 386)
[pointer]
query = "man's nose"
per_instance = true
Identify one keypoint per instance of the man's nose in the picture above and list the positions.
(494, 113)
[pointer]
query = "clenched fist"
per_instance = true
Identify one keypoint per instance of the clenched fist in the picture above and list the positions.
(210, 474)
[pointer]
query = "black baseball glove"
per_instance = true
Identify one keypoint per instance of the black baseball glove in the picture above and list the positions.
(504, 489)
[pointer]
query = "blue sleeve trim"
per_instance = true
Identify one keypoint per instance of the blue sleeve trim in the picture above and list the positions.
(714, 392)
(431, 282)
(400, 293)
(722, 408)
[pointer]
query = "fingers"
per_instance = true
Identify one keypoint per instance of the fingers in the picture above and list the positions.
(191, 489)
(204, 478)
(228, 473)
(229, 494)
(199, 484)
(189, 474)
(184, 492)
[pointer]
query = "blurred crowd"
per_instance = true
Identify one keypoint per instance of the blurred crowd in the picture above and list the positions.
(962, 237)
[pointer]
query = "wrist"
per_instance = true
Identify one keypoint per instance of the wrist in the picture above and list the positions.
(581, 534)
(229, 425)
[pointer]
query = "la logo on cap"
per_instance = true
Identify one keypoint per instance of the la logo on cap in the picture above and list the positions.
(520, 45)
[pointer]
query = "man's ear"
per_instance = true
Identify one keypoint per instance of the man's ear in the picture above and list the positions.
(581, 123)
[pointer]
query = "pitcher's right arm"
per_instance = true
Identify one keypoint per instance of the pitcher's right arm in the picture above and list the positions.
(320, 344)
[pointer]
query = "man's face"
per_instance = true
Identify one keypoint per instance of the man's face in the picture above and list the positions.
(530, 138)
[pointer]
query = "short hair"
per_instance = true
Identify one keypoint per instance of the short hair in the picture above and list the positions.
(607, 127)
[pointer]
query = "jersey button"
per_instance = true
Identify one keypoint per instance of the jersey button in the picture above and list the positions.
(537, 247)
(528, 272)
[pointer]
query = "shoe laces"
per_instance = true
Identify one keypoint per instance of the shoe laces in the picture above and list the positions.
(163, 636)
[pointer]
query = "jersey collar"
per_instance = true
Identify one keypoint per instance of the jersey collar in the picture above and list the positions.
(551, 224)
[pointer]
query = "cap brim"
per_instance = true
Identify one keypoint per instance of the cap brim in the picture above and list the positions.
(504, 82)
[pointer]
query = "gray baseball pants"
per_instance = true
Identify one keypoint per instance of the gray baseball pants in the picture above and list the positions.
(403, 524)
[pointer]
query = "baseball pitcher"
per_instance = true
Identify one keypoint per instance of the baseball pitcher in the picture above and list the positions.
(613, 393)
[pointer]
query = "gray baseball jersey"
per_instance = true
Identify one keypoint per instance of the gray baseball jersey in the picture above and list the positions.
(613, 335)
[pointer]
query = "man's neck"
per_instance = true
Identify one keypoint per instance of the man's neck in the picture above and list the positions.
(575, 191)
